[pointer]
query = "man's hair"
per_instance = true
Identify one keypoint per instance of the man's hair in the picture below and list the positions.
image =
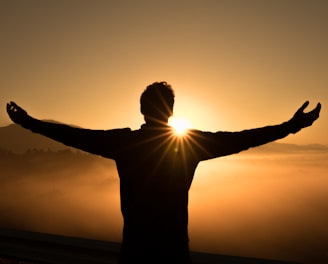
(157, 100)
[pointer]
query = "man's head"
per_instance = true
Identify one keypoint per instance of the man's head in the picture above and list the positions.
(156, 102)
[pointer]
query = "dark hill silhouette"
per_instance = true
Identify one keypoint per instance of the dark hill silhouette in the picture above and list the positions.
(17, 139)
(284, 148)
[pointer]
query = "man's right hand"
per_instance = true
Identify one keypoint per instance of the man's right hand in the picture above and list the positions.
(17, 114)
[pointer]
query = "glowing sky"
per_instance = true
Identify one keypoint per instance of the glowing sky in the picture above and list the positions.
(233, 64)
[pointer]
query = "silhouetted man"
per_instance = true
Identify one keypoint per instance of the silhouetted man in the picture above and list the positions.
(156, 168)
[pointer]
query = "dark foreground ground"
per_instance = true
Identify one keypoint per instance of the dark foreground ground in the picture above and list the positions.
(23, 247)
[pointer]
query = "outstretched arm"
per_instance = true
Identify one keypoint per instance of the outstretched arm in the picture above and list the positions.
(94, 141)
(225, 143)
(300, 120)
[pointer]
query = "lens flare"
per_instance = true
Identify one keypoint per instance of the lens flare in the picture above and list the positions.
(180, 125)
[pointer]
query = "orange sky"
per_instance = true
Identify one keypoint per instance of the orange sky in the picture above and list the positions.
(233, 64)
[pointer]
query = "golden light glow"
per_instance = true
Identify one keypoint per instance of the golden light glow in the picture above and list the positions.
(180, 125)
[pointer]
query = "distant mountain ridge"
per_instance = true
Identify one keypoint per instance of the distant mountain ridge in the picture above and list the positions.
(18, 140)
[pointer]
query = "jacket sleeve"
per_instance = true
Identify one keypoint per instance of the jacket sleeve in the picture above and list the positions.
(208, 145)
(100, 142)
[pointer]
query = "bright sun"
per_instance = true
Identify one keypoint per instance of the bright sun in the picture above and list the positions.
(180, 125)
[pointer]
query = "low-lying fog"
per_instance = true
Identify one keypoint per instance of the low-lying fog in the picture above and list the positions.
(254, 204)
